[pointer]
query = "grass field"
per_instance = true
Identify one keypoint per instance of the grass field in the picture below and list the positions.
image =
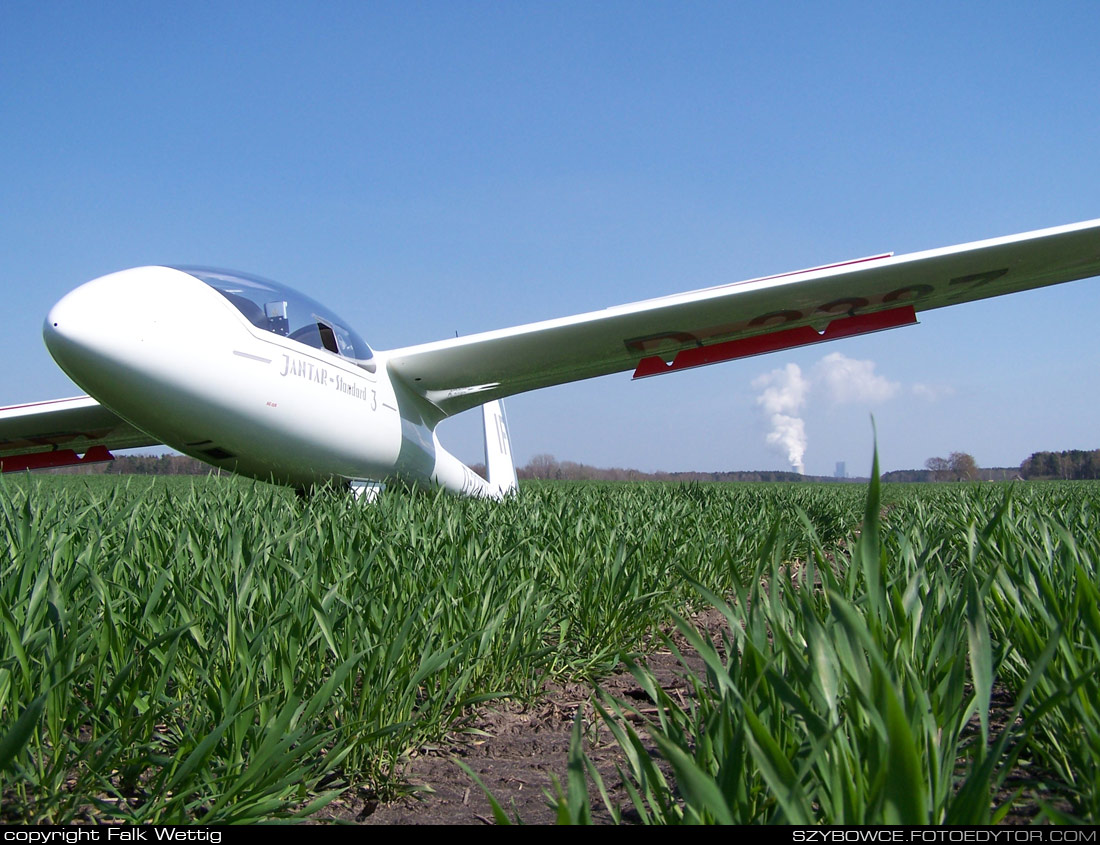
(218, 650)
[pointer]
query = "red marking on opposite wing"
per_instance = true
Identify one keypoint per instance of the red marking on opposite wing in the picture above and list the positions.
(54, 458)
(774, 341)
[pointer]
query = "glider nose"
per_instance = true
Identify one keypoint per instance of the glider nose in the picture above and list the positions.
(113, 332)
(79, 324)
(89, 330)
(77, 329)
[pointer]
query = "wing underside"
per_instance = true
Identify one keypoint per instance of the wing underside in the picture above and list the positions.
(62, 432)
(744, 318)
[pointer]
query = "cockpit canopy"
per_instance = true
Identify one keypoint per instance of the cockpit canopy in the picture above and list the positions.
(280, 310)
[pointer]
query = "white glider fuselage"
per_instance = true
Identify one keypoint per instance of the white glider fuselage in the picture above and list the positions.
(180, 360)
(251, 376)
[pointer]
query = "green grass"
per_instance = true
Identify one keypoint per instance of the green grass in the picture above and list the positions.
(215, 649)
(177, 649)
(855, 688)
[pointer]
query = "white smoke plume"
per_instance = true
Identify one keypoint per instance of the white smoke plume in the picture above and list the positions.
(784, 394)
(845, 380)
(788, 434)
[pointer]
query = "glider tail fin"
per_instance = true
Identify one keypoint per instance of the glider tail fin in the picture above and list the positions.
(498, 451)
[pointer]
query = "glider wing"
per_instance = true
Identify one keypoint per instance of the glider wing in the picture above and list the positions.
(61, 432)
(740, 319)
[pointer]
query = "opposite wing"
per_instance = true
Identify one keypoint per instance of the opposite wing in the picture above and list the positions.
(55, 433)
(745, 318)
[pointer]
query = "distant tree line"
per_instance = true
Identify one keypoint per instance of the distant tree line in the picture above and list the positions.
(1072, 465)
(958, 466)
(544, 467)
(548, 468)
(910, 476)
(142, 465)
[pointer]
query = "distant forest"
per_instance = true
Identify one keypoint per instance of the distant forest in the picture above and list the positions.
(1070, 465)
(1074, 464)
(548, 468)
(142, 465)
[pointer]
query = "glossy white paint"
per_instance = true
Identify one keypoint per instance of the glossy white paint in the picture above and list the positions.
(175, 358)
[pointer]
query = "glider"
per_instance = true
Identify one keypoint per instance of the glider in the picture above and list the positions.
(251, 376)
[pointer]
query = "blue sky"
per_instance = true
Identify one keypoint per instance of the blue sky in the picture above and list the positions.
(427, 168)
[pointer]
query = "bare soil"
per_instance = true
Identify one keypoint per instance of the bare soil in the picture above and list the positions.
(518, 749)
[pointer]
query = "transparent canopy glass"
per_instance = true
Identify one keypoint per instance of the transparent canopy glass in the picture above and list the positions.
(283, 311)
